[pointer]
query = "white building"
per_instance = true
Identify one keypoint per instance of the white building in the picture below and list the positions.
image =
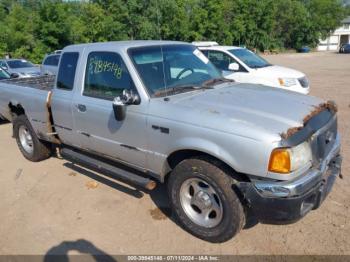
(339, 37)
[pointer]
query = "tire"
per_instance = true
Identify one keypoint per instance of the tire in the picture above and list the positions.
(28, 143)
(186, 182)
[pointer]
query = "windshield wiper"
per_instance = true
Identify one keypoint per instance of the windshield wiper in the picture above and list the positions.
(179, 89)
(259, 66)
(215, 81)
(255, 66)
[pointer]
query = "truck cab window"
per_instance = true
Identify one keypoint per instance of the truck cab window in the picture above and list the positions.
(106, 76)
(66, 73)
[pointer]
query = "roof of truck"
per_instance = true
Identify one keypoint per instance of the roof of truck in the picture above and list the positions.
(124, 44)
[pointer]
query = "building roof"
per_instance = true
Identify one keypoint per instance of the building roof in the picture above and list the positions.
(346, 20)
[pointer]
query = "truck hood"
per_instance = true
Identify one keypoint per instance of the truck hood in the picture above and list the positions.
(278, 72)
(254, 106)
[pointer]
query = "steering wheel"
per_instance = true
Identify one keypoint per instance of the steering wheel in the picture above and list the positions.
(183, 71)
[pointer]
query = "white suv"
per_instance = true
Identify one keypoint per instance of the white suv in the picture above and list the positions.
(243, 65)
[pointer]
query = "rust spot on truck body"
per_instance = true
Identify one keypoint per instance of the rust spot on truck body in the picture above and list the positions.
(291, 131)
(329, 105)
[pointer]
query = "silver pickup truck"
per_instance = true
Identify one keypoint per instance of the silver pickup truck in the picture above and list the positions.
(158, 111)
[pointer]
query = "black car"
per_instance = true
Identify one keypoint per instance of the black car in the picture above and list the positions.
(345, 48)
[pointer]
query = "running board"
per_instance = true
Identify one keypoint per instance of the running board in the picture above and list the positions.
(119, 173)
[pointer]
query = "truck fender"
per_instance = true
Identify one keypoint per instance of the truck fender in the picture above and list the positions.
(202, 146)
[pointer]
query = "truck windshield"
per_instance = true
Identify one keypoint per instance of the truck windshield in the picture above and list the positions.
(171, 69)
(249, 58)
(19, 64)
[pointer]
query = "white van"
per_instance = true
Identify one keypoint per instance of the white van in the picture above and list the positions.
(243, 65)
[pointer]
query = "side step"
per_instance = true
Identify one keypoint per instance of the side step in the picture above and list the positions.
(119, 173)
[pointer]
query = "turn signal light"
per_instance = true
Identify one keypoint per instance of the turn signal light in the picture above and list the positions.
(280, 161)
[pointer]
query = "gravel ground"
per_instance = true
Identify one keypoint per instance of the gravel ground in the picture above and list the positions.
(53, 207)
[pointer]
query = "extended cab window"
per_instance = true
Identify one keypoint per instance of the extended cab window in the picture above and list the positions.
(66, 72)
(106, 76)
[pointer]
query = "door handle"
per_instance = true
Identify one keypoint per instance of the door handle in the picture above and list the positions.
(81, 108)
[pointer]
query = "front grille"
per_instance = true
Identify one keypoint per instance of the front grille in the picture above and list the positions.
(304, 82)
(322, 143)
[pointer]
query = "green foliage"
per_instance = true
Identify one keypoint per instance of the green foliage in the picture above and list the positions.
(31, 28)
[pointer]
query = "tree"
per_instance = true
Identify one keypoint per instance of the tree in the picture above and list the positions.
(325, 15)
(31, 28)
(18, 33)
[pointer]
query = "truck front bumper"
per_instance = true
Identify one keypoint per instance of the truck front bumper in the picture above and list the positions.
(288, 201)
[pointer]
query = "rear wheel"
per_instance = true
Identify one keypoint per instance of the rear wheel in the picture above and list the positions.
(28, 143)
(203, 200)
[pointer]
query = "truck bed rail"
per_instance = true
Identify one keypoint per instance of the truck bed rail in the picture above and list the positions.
(41, 82)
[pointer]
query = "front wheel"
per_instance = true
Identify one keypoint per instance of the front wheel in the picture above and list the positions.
(28, 143)
(203, 200)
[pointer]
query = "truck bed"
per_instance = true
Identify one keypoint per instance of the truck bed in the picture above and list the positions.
(41, 82)
(33, 95)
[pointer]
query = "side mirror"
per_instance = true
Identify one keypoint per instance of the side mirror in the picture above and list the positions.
(14, 75)
(233, 67)
(121, 102)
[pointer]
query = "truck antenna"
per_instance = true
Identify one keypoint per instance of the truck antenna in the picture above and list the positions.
(161, 48)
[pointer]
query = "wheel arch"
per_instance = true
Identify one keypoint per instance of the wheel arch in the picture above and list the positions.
(181, 154)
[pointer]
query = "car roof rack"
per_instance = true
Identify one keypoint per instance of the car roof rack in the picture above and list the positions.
(205, 43)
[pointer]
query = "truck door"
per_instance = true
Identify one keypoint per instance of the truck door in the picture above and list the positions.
(106, 76)
(62, 98)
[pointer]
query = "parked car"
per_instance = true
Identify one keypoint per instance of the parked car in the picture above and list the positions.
(50, 63)
(345, 48)
(150, 111)
(21, 67)
(304, 49)
(243, 65)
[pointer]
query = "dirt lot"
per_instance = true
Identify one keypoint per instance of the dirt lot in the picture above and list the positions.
(52, 207)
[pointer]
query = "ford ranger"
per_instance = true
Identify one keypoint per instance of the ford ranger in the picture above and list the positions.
(159, 112)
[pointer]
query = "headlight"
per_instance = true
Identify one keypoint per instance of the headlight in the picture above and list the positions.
(286, 160)
(287, 82)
